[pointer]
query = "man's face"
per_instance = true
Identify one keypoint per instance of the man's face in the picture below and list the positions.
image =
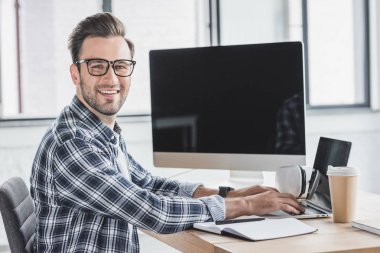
(103, 95)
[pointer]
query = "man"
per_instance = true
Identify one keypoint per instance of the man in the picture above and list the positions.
(90, 194)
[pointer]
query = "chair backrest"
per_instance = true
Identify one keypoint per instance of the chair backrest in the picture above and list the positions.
(17, 210)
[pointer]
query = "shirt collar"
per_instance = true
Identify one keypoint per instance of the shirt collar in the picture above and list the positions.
(90, 119)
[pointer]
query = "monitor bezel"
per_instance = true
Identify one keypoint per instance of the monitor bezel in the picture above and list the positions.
(251, 162)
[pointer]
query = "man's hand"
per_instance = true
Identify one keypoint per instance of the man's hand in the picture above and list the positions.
(262, 203)
(248, 191)
(254, 200)
(203, 191)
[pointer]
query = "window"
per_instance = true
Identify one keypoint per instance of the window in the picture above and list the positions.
(8, 54)
(153, 24)
(35, 78)
(34, 59)
(257, 21)
(337, 58)
(334, 35)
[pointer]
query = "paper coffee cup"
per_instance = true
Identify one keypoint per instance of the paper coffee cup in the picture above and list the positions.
(343, 191)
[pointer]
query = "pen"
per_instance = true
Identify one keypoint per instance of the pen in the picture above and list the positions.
(223, 222)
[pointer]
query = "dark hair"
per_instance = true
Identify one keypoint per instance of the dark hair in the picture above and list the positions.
(98, 25)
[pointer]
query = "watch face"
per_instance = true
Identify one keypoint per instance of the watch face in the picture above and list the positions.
(223, 190)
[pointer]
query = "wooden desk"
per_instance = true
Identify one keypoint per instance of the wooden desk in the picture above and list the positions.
(330, 237)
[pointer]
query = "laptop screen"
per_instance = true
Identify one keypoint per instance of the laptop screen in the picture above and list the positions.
(329, 152)
(320, 195)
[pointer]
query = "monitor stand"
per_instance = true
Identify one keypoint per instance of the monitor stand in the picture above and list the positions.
(241, 178)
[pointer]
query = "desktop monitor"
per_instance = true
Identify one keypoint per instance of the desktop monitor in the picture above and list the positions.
(228, 107)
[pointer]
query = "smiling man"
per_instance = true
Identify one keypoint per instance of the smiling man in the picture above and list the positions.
(103, 92)
(90, 194)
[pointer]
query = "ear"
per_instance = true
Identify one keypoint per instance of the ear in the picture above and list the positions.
(75, 76)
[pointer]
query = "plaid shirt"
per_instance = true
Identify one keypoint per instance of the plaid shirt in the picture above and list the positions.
(85, 204)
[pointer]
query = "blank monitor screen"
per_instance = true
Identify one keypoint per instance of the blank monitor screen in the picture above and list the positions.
(245, 99)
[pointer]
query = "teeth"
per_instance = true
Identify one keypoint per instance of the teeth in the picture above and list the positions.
(108, 91)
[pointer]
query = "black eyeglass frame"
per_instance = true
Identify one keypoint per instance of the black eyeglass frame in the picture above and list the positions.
(133, 63)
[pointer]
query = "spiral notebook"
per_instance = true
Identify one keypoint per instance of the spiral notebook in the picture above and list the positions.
(259, 230)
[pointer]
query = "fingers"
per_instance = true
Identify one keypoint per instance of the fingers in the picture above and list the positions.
(271, 188)
(289, 209)
(287, 195)
(290, 203)
(270, 201)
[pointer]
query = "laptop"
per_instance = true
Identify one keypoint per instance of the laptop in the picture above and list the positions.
(318, 202)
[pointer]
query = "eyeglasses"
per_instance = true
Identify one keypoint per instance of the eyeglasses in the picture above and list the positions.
(99, 67)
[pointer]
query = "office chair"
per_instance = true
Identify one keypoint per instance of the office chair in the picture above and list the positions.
(17, 210)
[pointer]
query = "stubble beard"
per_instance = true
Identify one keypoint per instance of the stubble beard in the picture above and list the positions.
(89, 95)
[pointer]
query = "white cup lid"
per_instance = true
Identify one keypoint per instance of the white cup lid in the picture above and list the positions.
(342, 171)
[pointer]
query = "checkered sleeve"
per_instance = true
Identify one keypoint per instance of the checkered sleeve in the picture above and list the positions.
(86, 179)
(156, 184)
(187, 189)
(159, 185)
(169, 187)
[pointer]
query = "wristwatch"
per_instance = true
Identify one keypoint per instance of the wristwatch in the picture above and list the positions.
(223, 190)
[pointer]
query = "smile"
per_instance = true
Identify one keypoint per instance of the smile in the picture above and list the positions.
(108, 92)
